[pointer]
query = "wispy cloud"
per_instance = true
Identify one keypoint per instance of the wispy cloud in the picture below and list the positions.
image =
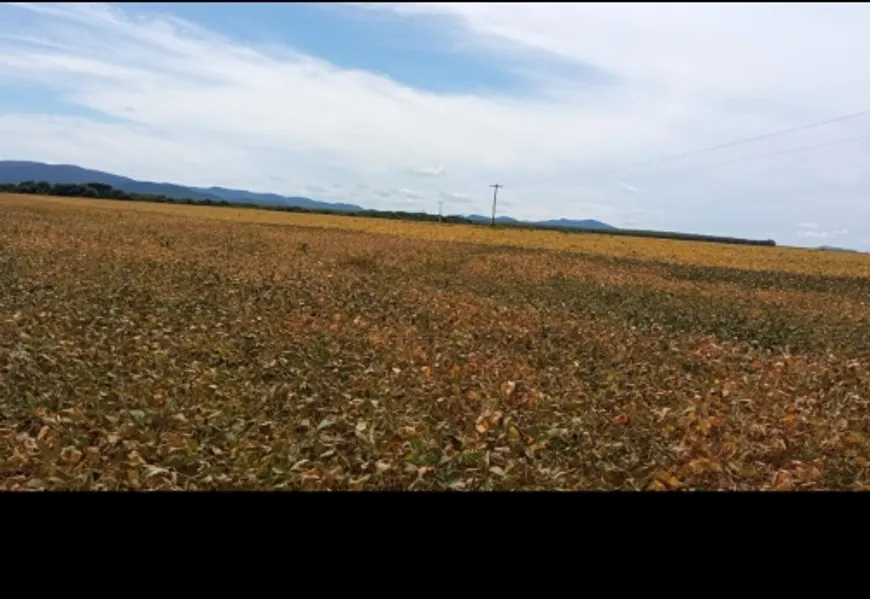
(172, 100)
(824, 234)
(429, 171)
(331, 191)
(314, 188)
(816, 234)
(410, 195)
(455, 197)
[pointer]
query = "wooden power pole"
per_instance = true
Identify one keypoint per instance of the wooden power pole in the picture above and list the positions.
(495, 189)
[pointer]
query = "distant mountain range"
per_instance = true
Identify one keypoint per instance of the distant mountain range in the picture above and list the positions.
(561, 222)
(16, 171)
(13, 171)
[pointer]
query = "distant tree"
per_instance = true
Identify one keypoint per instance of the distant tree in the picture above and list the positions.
(104, 190)
(43, 188)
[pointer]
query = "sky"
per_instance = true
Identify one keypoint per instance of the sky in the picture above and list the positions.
(574, 108)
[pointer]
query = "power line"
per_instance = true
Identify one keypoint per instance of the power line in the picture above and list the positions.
(757, 157)
(751, 139)
(729, 144)
(760, 156)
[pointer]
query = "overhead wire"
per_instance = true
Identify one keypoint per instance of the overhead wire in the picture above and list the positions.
(742, 141)
(746, 140)
(758, 156)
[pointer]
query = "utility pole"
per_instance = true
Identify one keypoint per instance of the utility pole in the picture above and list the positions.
(440, 204)
(495, 189)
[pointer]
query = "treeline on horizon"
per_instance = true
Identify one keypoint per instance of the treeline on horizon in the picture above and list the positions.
(107, 192)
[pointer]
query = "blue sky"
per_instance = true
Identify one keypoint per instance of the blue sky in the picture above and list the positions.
(405, 105)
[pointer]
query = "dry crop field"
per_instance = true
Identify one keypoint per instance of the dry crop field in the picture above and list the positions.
(147, 346)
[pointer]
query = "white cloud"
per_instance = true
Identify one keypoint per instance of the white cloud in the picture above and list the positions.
(314, 188)
(808, 225)
(326, 191)
(184, 104)
(456, 198)
(429, 171)
(410, 193)
(824, 234)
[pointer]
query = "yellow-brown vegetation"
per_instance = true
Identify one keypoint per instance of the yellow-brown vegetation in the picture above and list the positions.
(151, 346)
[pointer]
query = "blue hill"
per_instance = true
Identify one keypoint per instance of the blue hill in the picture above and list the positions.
(14, 171)
(559, 223)
(17, 171)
